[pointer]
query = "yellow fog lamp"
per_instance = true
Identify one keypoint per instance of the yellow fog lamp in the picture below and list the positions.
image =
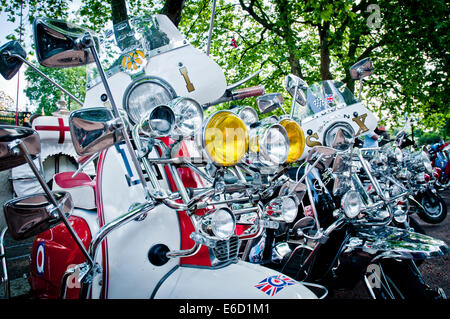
(225, 138)
(296, 139)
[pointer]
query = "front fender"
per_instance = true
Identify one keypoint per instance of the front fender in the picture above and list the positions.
(241, 280)
(392, 242)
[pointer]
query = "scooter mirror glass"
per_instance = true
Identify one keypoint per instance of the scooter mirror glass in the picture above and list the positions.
(10, 158)
(57, 43)
(295, 85)
(33, 214)
(361, 69)
(327, 154)
(93, 130)
(9, 64)
(269, 102)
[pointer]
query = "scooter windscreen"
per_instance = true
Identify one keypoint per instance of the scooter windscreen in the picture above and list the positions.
(129, 44)
(325, 95)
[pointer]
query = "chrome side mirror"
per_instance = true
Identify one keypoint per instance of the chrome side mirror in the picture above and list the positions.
(94, 129)
(59, 44)
(9, 64)
(295, 85)
(9, 155)
(340, 136)
(326, 155)
(30, 215)
(270, 102)
(303, 225)
(361, 69)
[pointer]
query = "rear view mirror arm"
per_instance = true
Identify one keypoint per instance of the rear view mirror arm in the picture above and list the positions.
(86, 42)
(17, 146)
(45, 77)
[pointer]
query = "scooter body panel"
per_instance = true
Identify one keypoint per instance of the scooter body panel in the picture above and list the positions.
(357, 115)
(54, 251)
(241, 280)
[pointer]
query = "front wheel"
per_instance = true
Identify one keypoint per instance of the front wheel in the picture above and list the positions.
(390, 279)
(434, 208)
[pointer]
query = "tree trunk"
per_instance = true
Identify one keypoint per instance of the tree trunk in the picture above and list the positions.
(296, 68)
(173, 9)
(284, 8)
(324, 52)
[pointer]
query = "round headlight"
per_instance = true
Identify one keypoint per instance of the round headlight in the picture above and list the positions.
(426, 162)
(247, 114)
(296, 139)
(220, 223)
(270, 142)
(159, 121)
(351, 203)
(340, 136)
(189, 116)
(144, 94)
(420, 178)
(225, 138)
(283, 209)
(400, 212)
(399, 155)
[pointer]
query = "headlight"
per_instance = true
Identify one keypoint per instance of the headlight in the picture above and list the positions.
(159, 121)
(296, 139)
(144, 94)
(225, 138)
(247, 114)
(220, 223)
(351, 203)
(426, 162)
(189, 116)
(283, 209)
(340, 136)
(399, 155)
(400, 211)
(420, 178)
(270, 142)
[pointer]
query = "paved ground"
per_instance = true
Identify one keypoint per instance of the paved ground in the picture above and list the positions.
(435, 272)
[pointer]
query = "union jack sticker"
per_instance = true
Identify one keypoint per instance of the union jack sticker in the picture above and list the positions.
(273, 284)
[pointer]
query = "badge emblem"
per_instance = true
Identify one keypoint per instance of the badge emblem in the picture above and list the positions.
(133, 62)
(40, 258)
(274, 284)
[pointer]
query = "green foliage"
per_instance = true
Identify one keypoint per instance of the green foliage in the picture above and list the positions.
(45, 95)
(428, 138)
(314, 39)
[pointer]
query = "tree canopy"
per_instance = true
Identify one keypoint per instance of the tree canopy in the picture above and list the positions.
(408, 42)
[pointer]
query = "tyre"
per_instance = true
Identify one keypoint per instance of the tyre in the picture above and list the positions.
(435, 208)
(391, 279)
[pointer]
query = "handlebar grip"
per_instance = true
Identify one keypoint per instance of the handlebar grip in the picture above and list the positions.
(249, 92)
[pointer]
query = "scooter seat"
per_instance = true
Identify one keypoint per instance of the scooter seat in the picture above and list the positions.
(81, 187)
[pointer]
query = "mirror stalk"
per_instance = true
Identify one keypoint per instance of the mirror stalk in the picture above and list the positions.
(19, 146)
(293, 102)
(86, 42)
(46, 77)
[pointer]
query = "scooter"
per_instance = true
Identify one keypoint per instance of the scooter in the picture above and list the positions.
(161, 227)
(439, 156)
(340, 236)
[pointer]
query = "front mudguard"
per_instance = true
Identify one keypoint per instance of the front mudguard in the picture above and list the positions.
(241, 280)
(393, 242)
(371, 245)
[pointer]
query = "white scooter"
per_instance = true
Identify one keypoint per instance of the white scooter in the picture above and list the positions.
(162, 226)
